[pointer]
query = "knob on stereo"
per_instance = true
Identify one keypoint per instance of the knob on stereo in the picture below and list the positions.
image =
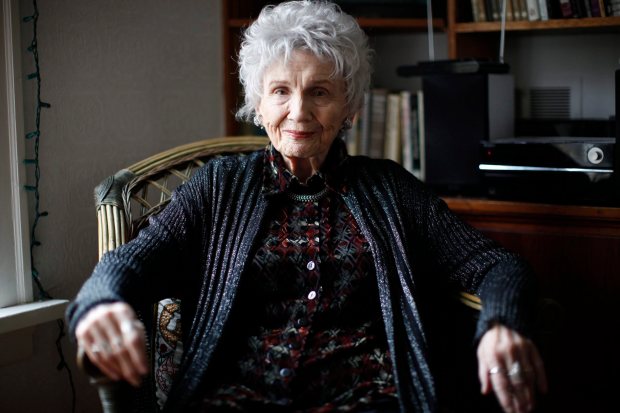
(595, 155)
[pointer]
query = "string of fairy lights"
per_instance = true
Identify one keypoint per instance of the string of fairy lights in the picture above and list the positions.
(35, 137)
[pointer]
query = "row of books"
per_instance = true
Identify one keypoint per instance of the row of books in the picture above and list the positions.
(391, 126)
(533, 10)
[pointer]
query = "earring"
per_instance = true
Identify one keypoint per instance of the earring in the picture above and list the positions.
(258, 121)
(347, 124)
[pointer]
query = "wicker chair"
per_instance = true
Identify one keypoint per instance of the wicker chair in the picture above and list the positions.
(124, 202)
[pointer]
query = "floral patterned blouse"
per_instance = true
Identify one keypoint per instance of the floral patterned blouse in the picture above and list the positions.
(309, 335)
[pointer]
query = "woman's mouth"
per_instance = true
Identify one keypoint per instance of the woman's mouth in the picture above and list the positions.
(295, 134)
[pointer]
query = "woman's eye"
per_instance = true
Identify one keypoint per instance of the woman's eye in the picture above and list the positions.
(279, 92)
(320, 92)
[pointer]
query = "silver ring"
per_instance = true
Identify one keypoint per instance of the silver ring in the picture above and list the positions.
(129, 326)
(117, 342)
(95, 349)
(495, 370)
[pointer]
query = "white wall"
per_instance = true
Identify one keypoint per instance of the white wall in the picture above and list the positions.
(585, 63)
(126, 79)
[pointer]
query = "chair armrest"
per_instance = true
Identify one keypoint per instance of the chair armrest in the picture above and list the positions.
(113, 394)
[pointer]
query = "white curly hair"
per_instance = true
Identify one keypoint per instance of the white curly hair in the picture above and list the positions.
(320, 27)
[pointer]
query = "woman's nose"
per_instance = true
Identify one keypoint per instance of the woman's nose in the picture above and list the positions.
(299, 109)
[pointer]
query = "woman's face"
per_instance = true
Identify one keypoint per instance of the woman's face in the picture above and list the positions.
(302, 107)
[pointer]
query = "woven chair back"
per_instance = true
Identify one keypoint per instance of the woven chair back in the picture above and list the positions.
(127, 199)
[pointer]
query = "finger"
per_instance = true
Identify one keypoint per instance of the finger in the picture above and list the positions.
(121, 347)
(109, 341)
(483, 375)
(503, 391)
(98, 351)
(539, 369)
(135, 340)
(129, 370)
(522, 379)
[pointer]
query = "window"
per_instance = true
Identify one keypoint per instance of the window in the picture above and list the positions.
(15, 278)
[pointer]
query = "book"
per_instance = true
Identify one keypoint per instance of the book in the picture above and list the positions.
(566, 8)
(405, 130)
(490, 10)
(377, 122)
(509, 11)
(392, 143)
(482, 14)
(595, 8)
(421, 134)
(475, 13)
(602, 8)
(533, 11)
(516, 11)
(542, 8)
(364, 140)
(523, 9)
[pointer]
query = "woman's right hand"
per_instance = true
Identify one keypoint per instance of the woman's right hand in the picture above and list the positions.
(114, 340)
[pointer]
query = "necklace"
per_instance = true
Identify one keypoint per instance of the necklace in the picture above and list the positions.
(307, 197)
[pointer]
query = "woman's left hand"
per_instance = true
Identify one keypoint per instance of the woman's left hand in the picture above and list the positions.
(511, 366)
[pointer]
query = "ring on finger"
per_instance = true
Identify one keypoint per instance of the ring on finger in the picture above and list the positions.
(130, 326)
(515, 373)
(117, 342)
(495, 370)
(515, 369)
(103, 347)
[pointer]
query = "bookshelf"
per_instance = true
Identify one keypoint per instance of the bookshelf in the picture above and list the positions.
(467, 38)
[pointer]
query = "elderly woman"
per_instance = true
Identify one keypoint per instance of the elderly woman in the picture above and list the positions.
(303, 271)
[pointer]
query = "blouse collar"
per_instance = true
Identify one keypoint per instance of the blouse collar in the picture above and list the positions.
(278, 179)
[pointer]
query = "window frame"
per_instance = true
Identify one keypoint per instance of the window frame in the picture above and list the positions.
(15, 276)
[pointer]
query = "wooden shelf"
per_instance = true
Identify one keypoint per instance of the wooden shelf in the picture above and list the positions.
(555, 24)
(369, 23)
(393, 23)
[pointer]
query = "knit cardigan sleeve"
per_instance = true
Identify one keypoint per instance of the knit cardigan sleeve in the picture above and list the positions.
(479, 265)
(149, 266)
(502, 279)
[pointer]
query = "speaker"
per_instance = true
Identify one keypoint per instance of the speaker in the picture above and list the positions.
(461, 111)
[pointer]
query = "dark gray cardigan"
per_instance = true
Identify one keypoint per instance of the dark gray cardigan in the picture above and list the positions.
(200, 244)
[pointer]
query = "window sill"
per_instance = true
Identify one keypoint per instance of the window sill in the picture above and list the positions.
(17, 325)
(22, 316)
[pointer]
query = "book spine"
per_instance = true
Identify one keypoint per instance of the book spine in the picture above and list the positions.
(577, 9)
(544, 12)
(377, 122)
(364, 147)
(405, 130)
(602, 8)
(595, 8)
(533, 12)
(391, 149)
(516, 13)
(421, 134)
(510, 15)
(566, 8)
(523, 6)
(474, 11)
